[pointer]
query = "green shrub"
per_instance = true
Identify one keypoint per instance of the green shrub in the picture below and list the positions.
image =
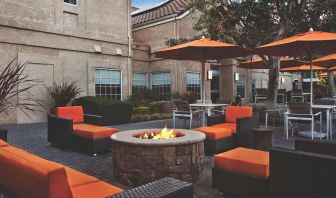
(113, 112)
(140, 118)
(155, 116)
(64, 93)
(141, 110)
(154, 107)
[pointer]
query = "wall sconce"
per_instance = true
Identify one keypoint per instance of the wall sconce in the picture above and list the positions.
(282, 80)
(210, 75)
(236, 76)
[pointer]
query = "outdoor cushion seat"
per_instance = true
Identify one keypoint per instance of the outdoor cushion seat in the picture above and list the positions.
(243, 160)
(92, 131)
(77, 178)
(231, 126)
(3, 143)
(97, 189)
(74, 113)
(236, 112)
(215, 132)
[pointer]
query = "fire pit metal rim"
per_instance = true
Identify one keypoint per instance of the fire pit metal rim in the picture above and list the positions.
(127, 137)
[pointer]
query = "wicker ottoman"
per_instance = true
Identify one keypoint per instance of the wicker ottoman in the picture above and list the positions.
(217, 139)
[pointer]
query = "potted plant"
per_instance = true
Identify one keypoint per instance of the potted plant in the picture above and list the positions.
(11, 76)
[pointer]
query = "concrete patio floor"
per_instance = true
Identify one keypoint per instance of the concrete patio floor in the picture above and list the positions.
(33, 138)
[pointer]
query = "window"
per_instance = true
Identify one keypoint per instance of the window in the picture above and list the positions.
(161, 85)
(73, 2)
(194, 84)
(241, 86)
(108, 83)
(139, 83)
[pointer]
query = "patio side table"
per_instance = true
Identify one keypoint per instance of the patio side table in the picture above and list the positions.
(3, 134)
(262, 138)
(162, 188)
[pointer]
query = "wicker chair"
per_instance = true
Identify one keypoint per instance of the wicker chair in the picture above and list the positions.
(260, 94)
(221, 110)
(183, 111)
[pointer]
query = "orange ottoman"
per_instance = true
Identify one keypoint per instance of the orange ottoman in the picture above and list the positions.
(218, 139)
(242, 172)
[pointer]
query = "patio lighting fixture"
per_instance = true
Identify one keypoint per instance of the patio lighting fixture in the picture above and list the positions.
(210, 75)
(236, 76)
(282, 80)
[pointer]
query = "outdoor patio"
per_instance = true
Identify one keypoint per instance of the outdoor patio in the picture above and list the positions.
(33, 138)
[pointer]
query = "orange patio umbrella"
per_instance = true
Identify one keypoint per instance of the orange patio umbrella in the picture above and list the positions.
(202, 50)
(326, 61)
(306, 44)
(325, 75)
(258, 63)
(303, 68)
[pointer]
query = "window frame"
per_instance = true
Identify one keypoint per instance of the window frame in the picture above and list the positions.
(201, 87)
(240, 77)
(147, 80)
(77, 2)
(110, 69)
(161, 72)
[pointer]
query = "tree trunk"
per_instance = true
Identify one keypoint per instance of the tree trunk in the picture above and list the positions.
(331, 84)
(273, 79)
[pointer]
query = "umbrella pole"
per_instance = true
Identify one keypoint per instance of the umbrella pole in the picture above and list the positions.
(311, 81)
(204, 82)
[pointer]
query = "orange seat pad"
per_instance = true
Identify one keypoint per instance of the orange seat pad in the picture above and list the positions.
(74, 112)
(215, 132)
(243, 160)
(233, 113)
(95, 190)
(3, 143)
(92, 131)
(231, 126)
(77, 178)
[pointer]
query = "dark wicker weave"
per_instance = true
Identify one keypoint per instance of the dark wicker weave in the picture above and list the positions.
(60, 134)
(243, 136)
(163, 188)
(3, 134)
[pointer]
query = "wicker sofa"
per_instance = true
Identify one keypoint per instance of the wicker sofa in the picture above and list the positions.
(70, 128)
(24, 175)
(308, 171)
(228, 131)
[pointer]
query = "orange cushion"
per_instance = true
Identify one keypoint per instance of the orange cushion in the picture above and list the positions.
(95, 190)
(29, 173)
(231, 126)
(3, 143)
(75, 113)
(93, 131)
(235, 112)
(77, 178)
(214, 132)
(58, 184)
(243, 160)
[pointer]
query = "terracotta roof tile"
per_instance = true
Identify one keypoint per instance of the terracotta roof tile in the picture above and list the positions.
(165, 9)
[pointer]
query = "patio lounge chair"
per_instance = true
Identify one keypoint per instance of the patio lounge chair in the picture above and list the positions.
(307, 171)
(282, 96)
(225, 132)
(183, 111)
(297, 95)
(260, 94)
(24, 175)
(70, 128)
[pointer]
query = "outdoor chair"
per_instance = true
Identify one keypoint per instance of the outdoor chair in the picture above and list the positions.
(70, 128)
(282, 96)
(297, 95)
(307, 171)
(221, 110)
(260, 94)
(301, 113)
(224, 132)
(184, 111)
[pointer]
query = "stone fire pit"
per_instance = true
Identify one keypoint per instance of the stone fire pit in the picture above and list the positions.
(138, 161)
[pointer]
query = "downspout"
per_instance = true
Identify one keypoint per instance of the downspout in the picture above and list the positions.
(129, 58)
(175, 61)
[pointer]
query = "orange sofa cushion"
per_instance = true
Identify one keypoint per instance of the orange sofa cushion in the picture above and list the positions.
(3, 143)
(243, 160)
(92, 131)
(77, 178)
(214, 132)
(235, 112)
(95, 190)
(75, 113)
(231, 126)
(26, 175)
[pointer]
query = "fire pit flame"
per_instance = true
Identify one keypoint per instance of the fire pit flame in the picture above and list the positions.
(163, 134)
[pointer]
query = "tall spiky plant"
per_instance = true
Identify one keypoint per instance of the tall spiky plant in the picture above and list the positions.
(14, 83)
(64, 93)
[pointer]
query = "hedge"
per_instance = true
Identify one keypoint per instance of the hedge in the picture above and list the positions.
(113, 112)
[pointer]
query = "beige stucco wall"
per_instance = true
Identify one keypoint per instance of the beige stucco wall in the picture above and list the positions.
(58, 40)
(155, 37)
